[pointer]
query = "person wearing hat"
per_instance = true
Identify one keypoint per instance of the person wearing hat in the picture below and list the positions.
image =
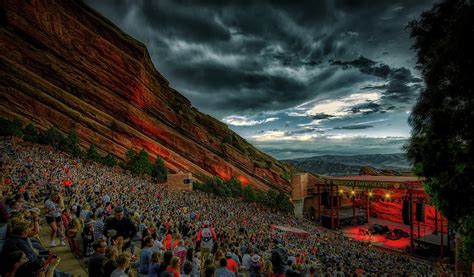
(206, 238)
(122, 225)
(231, 264)
(279, 258)
(255, 266)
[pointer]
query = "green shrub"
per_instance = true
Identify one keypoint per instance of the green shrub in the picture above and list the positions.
(138, 164)
(10, 128)
(54, 138)
(272, 199)
(72, 143)
(159, 172)
(249, 194)
(92, 154)
(31, 134)
(109, 160)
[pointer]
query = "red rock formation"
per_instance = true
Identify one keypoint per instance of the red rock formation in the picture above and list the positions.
(62, 64)
(367, 170)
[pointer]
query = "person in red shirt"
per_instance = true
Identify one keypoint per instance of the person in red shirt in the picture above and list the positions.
(170, 242)
(67, 187)
(206, 238)
(174, 266)
(231, 264)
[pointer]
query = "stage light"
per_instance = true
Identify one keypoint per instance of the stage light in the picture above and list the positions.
(387, 195)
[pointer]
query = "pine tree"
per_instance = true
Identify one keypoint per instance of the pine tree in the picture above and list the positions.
(10, 128)
(109, 160)
(92, 154)
(72, 143)
(248, 193)
(441, 145)
(159, 173)
(54, 138)
(30, 133)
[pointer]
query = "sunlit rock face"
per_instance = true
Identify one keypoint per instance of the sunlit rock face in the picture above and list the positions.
(64, 65)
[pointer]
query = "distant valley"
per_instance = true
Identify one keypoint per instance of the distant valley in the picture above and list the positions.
(351, 165)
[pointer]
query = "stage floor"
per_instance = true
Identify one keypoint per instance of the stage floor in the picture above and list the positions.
(380, 240)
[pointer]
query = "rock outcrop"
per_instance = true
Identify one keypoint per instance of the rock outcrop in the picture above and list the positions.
(367, 170)
(64, 65)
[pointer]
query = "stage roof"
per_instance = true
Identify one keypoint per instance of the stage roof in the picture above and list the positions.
(369, 181)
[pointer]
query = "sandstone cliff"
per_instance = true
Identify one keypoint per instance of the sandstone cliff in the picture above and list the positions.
(62, 64)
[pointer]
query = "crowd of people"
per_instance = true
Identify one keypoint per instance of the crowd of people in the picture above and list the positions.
(123, 225)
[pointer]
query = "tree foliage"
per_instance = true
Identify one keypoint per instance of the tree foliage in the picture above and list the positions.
(138, 163)
(441, 144)
(30, 133)
(72, 143)
(159, 172)
(92, 154)
(109, 160)
(10, 128)
(54, 138)
(272, 199)
(249, 194)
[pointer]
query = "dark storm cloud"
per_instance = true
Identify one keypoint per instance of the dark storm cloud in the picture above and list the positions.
(366, 66)
(354, 127)
(244, 90)
(321, 116)
(367, 108)
(401, 85)
(196, 24)
(260, 55)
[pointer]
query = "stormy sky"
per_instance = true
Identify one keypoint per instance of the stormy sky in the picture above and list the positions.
(295, 78)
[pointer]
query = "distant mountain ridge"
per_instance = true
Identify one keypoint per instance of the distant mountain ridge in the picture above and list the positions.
(351, 164)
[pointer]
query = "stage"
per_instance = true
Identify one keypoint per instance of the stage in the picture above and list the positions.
(379, 240)
(373, 209)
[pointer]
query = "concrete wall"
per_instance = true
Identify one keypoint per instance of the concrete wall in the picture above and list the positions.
(298, 204)
(299, 186)
(180, 181)
(303, 194)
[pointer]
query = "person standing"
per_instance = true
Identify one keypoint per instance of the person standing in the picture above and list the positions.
(206, 237)
(145, 256)
(279, 259)
(53, 218)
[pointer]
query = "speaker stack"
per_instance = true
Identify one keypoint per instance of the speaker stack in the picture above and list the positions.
(325, 199)
(406, 210)
(420, 211)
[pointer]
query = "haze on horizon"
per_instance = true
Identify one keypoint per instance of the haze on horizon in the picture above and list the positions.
(294, 79)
